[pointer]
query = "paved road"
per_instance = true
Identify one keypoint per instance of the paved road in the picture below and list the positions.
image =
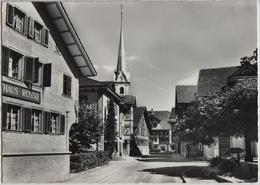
(155, 169)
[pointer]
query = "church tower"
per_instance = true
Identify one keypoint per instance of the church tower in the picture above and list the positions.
(122, 75)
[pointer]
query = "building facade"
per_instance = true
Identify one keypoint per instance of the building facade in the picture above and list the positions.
(161, 130)
(99, 94)
(39, 90)
(142, 129)
(219, 78)
(184, 106)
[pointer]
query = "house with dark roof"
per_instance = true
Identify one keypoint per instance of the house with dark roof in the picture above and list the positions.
(42, 61)
(142, 130)
(185, 96)
(98, 94)
(210, 82)
(161, 130)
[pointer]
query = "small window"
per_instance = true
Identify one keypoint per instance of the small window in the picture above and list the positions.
(121, 90)
(38, 32)
(36, 121)
(54, 123)
(66, 85)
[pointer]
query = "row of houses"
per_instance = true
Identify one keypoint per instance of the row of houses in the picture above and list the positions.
(210, 81)
(46, 74)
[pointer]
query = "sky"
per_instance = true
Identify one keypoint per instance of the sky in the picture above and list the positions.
(166, 43)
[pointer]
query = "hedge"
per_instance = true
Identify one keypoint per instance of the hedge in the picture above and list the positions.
(84, 161)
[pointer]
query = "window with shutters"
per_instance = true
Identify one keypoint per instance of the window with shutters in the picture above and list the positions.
(11, 117)
(14, 64)
(36, 120)
(54, 123)
(16, 19)
(38, 29)
(66, 85)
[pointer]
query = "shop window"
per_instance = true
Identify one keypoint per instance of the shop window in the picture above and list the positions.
(11, 117)
(36, 121)
(66, 85)
(16, 19)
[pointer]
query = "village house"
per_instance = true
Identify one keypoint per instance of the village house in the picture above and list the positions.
(161, 130)
(142, 129)
(42, 59)
(98, 94)
(184, 106)
(211, 81)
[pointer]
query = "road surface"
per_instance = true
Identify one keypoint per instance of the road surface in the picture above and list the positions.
(158, 168)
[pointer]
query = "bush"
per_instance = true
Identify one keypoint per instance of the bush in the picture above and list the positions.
(216, 161)
(224, 165)
(84, 161)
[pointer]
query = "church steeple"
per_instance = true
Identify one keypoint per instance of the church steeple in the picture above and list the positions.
(121, 61)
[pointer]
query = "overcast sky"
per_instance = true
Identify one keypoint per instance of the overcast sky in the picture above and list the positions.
(166, 42)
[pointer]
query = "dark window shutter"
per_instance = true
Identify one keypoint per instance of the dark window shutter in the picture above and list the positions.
(43, 32)
(30, 27)
(36, 66)
(25, 27)
(28, 68)
(67, 85)
(9, 15)
(27, 119)
(62, 124)
(64, 84)
(4, 114)
(5, 60)
(47, 75)
(47, 122)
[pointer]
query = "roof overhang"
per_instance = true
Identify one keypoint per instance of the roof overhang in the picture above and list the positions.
(61, 25)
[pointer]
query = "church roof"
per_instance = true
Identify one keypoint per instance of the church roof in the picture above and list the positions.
(185, 93)
(212, 80)
(121, 61)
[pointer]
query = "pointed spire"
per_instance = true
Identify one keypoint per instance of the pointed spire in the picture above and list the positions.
(121, 62)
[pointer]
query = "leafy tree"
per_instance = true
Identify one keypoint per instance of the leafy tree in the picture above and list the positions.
(87, 131)
(230, 112)
(110, 133)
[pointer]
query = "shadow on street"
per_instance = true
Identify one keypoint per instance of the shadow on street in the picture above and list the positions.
(167, 157)
(188, 171)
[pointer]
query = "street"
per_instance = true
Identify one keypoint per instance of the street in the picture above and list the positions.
(157, 168)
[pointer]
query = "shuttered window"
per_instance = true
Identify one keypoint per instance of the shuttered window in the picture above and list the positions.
(47, 75)
(11, 117)
(18, 20)
(66, 85)
(62, 124)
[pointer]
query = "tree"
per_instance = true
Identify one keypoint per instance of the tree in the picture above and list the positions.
(230, 112)
(87, 131)
(110, 134)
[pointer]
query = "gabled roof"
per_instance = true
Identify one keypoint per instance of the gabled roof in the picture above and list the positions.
(212, 80)
(185, 93)
(172, 115)
(161, 115)
(66, 37)
(88, 84)
(163, 126)
(138, 112)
